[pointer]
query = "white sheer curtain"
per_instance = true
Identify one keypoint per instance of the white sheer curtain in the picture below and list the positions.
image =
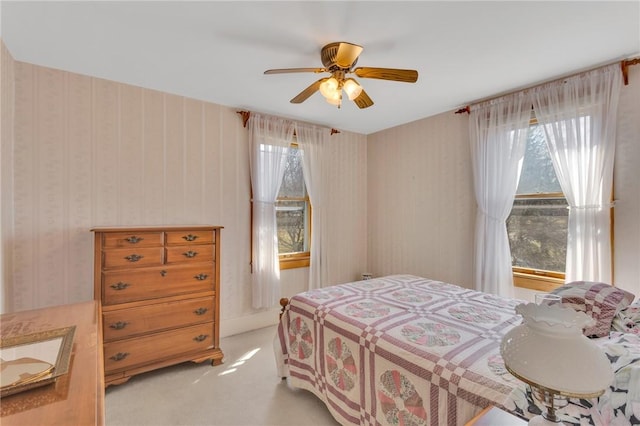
(312, 141)
(579, 118)
(498, 132)
(269, 139)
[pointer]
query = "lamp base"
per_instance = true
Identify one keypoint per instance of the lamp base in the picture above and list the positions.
(541, 421)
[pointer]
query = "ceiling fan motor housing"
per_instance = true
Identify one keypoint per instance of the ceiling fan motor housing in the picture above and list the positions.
(329, 54)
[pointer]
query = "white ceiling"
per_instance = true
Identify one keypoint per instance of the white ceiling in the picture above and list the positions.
(217, 51)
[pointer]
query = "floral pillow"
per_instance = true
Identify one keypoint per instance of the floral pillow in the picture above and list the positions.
(598, 300)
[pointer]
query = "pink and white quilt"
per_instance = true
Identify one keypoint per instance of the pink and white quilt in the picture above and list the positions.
(398, 350)
(405, 350)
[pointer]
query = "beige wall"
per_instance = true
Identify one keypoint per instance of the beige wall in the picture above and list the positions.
(626, 175)
(6, 155)
(91, 152)
(421, 203)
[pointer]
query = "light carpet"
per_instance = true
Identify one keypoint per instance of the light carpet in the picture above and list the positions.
(244, 390)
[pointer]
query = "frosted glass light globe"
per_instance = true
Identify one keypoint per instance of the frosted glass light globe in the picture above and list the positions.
(549, 350)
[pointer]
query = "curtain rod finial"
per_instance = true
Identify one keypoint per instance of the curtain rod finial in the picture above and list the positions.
(625, 68)
(245, 117)
(465, 109)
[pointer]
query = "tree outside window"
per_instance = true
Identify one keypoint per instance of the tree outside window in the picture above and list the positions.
(293, 214)
(537, 226)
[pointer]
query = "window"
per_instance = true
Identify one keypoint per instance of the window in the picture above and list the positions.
(293, 214)
(537, 226)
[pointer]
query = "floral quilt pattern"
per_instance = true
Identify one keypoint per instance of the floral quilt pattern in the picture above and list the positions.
(399, 400)
(431, 334)
(341, 365)
(300, 339)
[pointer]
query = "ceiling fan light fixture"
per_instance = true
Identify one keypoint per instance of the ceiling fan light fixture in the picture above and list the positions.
(329, 87)
(352, 88)
(336, 101)
(339, 59)
(335, 97)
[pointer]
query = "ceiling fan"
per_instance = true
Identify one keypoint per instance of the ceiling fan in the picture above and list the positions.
(339, 59)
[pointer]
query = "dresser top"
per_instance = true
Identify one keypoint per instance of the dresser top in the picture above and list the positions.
(77, 397)
(155, 228)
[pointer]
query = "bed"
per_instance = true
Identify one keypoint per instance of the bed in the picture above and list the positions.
(406, 350)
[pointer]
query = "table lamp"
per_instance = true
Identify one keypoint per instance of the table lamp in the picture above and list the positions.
(549, 353)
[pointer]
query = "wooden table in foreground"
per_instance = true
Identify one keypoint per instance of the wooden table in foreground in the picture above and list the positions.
(75, 398)
(493, 416)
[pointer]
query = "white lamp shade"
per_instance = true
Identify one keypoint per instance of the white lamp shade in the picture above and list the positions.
(329, 87)
(334, 101)
(548, 349)
(352, 88)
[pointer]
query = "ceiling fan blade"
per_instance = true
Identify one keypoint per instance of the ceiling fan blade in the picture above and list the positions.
(290, 70)
(304, 95)
(363, 100)
(406, 76)
(347, 54)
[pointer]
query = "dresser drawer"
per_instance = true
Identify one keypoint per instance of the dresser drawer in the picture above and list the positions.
(180, 238)
(156, 347)
(132, 239)
(133, 257)
(189, 254)
(129, 322)
(153, 283)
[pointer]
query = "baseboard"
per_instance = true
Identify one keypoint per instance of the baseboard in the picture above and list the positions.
(231, 326)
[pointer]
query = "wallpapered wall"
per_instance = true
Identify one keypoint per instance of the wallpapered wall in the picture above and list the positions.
(85, 152)
(6, 155)
(626, 187)
(91, 152)
(421, 203)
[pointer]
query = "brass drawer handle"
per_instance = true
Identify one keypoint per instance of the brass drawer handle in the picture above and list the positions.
(201, 337)
(120, 285)
(119, 325)
(133, 239)
(190, 237)
(119, 356)
(201, 277)
(200, 311)
(133, 257)
(163, 273)
(190, 253)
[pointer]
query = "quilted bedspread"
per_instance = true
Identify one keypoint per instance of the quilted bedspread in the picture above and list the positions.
(405, 350)
(398, 350)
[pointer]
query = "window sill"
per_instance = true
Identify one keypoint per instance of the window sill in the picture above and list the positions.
(536, 282)
(295, 261)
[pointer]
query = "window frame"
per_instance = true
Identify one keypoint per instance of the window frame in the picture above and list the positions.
(530, 278)
(298, 259)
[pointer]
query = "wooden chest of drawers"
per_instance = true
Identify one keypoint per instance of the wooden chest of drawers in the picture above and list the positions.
(159, 290)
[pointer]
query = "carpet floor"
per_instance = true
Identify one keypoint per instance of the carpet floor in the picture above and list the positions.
(244, 390)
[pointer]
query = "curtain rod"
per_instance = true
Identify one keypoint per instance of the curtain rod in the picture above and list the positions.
(624, 67)
(246, 114)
